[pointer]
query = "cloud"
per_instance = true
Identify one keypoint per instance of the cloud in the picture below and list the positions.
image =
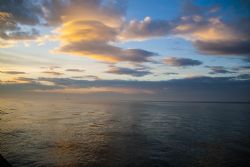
(246, 67)
(25, 79)
(205, 27)
(91, 77)
(194, 88)
(90, 34)
(52, 73)
(128, 71)
(88, 77)
(13, 72)
(216, 31)
(219, 70)
(171, 73)
(92, 39)
(74, 70)
(243, 77)
(224, 47)
(53, 13)
(147, 28)
(181, 62)
(93, 34)
(10, 20)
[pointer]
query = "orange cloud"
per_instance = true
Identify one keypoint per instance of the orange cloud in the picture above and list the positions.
(213, 30)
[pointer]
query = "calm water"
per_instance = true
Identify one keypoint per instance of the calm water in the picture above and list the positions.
(75, 133)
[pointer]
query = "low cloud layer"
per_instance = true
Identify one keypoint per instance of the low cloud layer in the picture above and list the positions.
(196, 88)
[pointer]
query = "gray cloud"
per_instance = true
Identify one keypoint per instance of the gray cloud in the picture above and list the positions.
(244, 77)
(13, 72)
(196, 88)
(146, 28)
(205, 27)
(128, 71)
(241, 68)
(208, 28)
(91, 77)
(219, 70)
(171, 73)
(94, 42)
(52, 72)
(181, 62)
(13, 14)
(224, 48)
(215, 30)
(75, 70)
(26, 79)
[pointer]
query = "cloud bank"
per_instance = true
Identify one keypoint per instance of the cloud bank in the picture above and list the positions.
(195, 88)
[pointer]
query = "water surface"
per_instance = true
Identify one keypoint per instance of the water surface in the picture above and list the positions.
(161, 134)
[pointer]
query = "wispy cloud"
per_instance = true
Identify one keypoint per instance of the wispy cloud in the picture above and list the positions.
(52, 72)
(13, 72)
(219, 70)
(75, 70)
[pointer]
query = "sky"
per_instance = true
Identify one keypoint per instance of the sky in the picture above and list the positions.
(129, 49)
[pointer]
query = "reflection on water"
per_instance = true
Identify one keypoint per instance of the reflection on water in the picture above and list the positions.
(70, 133)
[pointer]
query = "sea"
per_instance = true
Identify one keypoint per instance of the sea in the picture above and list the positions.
(76, 133)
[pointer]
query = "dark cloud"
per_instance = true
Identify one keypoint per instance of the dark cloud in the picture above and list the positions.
(242, 68)
(128, 71)
(209, 27)
(247, 59)
(218, 28)
(244, 77)
(224, 48)
(181, 62)
(14, 14)
(219, 70)
(22, 11)
(196, 88)
(147, 28)
(171, 73)
(105, 9)
(107, 53)
(13, 72)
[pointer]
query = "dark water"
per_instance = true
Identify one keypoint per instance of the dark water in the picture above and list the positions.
(131, 134)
